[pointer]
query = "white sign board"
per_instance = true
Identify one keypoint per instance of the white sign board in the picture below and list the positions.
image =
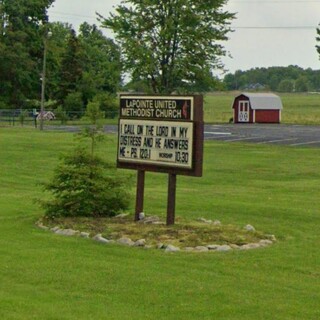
(153, 142)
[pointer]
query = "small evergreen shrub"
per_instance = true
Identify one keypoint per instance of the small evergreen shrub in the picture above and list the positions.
(85, 185)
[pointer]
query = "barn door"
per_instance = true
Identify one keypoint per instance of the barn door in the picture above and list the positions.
(243, 111)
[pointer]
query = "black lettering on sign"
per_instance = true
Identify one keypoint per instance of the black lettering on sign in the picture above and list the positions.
(182, 157)
(139, 129)
(162, 131)
(145, 153)
(165, 155)
(149, 130)
(134, 153)
(158, 143)
(148, 142)
(130, 141)
(175, 144)
(129, 129)
(183, 132)
(122, 151)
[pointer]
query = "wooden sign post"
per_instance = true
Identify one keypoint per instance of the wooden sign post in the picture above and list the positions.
(160, 134)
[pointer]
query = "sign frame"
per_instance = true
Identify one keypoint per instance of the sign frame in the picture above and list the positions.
(160, 109)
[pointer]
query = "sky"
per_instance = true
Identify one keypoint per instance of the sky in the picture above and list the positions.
(266, 32)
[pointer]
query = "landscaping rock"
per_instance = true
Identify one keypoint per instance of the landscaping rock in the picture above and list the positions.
(171, 248)
(151, 220)
(213, 246)
(160, 245)
(141, 215)
(223, 248)
(249, 227)
(126, 241)
(67, 232)
(84, 234)
(166, 237)
(271, 237)
(41, 226)
(140, 243)
(250, 246)
(122, 215)
(265, 242)
(205, 220)
(201, 249)
(100, 239)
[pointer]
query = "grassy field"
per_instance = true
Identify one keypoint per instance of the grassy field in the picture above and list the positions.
(298, 108)
(276, 189)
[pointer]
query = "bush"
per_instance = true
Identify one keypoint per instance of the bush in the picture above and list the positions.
(73, 104)
(22, 116)
(108, 104)
(93, 112)
(61, 115)
(85, 185)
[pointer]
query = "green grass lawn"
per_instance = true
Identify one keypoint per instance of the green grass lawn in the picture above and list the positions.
(298, 108)
(276, 189)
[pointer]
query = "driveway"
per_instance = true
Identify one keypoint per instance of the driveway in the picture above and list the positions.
(278, 134)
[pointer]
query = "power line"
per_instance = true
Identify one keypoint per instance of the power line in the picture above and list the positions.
(275, 1)
(93, 18)
(278, 27)
(71, 15)
(232, 27)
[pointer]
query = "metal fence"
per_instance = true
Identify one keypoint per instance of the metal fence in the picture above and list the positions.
(21, 117)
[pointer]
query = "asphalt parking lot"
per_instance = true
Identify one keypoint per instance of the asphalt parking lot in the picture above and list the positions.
(277, 134)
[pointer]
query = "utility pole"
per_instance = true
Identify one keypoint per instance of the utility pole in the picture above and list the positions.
(47, 35)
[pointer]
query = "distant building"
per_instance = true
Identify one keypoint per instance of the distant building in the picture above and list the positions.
(257, 108)
(255, 86)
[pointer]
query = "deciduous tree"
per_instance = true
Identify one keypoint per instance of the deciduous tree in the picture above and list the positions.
(318, 40)
(173, 44)
(21, 48)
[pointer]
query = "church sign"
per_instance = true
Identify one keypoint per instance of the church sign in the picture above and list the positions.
(161, 133)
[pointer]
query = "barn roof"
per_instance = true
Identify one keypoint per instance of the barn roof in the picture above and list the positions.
(263, 101)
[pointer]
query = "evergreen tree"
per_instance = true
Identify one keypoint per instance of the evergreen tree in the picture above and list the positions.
(71, 67)
(101, 63)
(57, 46)
(84, 184)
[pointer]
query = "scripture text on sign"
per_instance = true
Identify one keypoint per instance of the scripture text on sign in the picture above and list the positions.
(165, 143)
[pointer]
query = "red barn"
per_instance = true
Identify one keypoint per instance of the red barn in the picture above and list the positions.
(257, 108)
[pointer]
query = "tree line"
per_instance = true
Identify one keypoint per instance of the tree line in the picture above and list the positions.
(163, 46)
(81, 66)
(280, 79)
